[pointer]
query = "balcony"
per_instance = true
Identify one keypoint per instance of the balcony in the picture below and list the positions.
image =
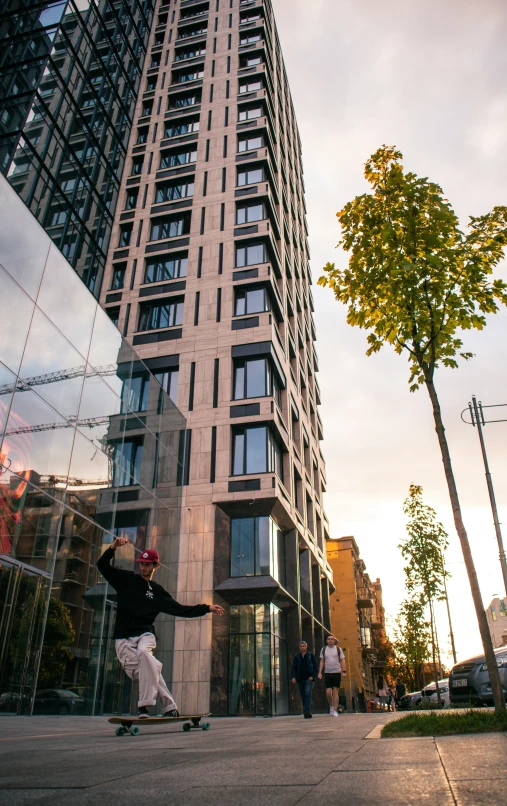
(364, 599)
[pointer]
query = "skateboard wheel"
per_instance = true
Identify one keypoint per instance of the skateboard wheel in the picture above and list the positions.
(187, 726)
(120, 731)
(134, 730)
(205, 726)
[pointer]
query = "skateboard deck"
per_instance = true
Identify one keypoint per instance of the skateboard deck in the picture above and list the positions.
(131, 724)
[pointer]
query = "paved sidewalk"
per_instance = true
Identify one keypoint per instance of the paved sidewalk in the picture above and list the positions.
(239, 762)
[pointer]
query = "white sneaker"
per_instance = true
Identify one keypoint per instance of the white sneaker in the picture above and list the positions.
(332, 711)
(336, 713)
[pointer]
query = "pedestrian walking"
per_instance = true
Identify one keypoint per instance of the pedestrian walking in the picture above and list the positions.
(382, 692)
(332, 665)
(304, 672)
(400, 692)
(140, 600)
(392, 700)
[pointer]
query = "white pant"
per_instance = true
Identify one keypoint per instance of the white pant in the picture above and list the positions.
(136, 657)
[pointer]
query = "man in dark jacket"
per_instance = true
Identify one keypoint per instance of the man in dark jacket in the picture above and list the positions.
(140, 600)
(304, 672)
(400, 691)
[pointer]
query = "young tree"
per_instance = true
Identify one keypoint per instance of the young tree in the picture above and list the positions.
(410, 645)
(423, 549)
(414, 281)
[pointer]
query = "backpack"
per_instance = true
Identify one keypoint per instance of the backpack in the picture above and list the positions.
(341, 655)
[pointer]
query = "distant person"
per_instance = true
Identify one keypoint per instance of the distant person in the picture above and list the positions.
(382, 692)
(400, 692)
(332, 664)
(140, 600)
(304, 672)
(391, 701)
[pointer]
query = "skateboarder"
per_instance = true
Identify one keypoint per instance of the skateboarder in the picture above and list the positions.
(140, 600)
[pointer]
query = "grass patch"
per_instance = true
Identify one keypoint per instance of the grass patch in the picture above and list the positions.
(441, 724)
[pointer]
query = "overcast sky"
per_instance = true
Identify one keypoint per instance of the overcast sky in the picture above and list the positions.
(428, 76)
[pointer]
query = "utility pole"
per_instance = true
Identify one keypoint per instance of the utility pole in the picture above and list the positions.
(478, 420)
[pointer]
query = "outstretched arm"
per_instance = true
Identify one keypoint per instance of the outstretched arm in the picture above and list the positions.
(107, 570)
(174, 608)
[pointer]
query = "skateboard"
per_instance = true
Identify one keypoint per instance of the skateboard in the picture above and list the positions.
(131, 724)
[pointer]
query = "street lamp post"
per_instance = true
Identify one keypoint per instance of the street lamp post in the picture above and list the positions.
(477, 415)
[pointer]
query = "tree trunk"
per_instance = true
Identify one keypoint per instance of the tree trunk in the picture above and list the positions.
(487, 643)
(434, 652)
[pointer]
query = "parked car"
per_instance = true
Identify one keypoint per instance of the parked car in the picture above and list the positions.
(469, 680)
(430, 693)
(57, 701)
(410, 701)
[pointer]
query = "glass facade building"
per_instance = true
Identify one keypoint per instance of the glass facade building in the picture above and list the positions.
(89, 442)
(69, 80)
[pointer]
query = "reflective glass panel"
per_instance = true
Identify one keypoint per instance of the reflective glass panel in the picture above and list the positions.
(242, 547)
(52, 366)
(24, 245)
(17, 310)
(37, 438)
(67, 303)
(256, 449)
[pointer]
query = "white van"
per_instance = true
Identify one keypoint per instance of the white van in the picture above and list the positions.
(430, 692)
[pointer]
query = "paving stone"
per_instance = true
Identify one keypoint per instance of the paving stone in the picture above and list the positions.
(481, 755)
(385, 788)
(480, 793)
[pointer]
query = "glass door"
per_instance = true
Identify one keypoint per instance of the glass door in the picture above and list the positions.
(23, 599)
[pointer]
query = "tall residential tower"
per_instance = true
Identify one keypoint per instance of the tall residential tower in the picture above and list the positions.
(208, 277)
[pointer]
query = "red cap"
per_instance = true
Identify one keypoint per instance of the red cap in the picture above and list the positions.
(149, 556)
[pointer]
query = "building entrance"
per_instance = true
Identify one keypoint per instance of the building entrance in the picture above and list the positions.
(24, 593)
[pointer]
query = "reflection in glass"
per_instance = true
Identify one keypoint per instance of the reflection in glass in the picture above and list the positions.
(52, 366)
(257, 651)
(64, 300)
(127, 458)
(37, 438)
(23, 249)
(17, 310)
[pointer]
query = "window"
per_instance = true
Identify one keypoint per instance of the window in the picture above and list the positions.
(181, 101)
(114, 315)
(258, 660)
(134, 393)
(186, 33)
(250, 16)
(170, 159)
(257, 548)
(249, 255)
(131, 198)
(151, 84)
(251, 176)
(125, 235)
(137, 166)
(170, 191)
(127, 458)
(250, 143)
(142, 135)
(251, 300)
(191, 75)
(190, 53)
(146, 109)
(168, 267)
(247, 213)
(248, 39)
(254, 377)
(251, 113)
(168, 380)
(118, 278)
(251, 86)
(169, 227)
(250, 61)
(255, 451)
(161, 314)
(187, 126)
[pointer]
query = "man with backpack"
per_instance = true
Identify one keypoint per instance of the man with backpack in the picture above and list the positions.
(304, 671)
(332, 663)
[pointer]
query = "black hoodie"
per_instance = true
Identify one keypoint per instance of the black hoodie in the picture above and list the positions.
(139, 603)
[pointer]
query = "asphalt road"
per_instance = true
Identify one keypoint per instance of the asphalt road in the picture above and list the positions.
(280, 761)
